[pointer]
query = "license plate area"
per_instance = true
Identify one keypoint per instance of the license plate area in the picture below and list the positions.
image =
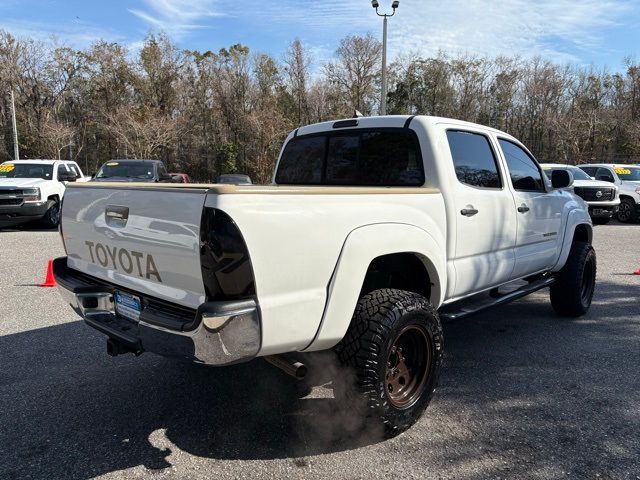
(127, 306)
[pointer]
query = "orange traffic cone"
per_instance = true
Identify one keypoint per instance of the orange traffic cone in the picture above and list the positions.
(49, 280)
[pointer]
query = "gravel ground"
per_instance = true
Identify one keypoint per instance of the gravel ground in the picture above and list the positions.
(524, 394)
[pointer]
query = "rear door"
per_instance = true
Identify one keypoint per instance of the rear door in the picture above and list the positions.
(484, 212)
(144, 238)
(538, 211)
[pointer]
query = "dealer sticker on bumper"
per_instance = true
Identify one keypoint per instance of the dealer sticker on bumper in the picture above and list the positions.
(128, 306)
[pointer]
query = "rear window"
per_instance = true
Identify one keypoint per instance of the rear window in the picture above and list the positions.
(389, 157)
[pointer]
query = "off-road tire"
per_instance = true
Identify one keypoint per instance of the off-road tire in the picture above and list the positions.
(51, 219)
(380, 325)
(627, 211)
(572, 292)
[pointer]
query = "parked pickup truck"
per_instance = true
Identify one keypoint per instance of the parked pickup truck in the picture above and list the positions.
(33, 190)
(601, 197)
(627, 179)
(373, 231)
(133, 171)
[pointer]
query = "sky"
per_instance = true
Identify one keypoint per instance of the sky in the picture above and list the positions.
(588, 32)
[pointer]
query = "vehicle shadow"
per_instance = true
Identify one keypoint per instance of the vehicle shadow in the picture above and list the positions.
(69, 411)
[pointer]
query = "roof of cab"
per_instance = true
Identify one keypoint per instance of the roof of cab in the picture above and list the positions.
(35, 160)
(388, 121)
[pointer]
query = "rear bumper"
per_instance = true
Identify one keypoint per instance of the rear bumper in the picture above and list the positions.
(16, 214)
(217, 333)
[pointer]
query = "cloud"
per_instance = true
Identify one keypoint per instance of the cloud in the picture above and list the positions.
(177, 17)
(563, 30)
(77, 34)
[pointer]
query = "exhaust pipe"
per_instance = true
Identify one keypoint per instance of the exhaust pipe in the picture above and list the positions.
(291, 367)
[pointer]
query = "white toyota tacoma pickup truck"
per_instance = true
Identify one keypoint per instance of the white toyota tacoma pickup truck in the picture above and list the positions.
(373, 231)
(33, 190)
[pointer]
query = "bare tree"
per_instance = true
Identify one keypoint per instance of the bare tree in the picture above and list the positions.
(141, 137)
(296, 66)
(356, 70)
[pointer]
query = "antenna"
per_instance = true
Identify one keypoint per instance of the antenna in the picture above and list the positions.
(357, 114)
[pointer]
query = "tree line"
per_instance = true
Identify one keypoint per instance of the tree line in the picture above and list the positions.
(207, 113)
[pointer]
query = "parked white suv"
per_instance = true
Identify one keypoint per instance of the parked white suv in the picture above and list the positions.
(33, 190)
(373, 230)
(602, 197)
(627, 179)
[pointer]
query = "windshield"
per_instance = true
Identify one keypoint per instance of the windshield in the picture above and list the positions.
(26, 170)
(126, 170)
(628, 173)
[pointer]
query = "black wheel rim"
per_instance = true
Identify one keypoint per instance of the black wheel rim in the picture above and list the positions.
(588, 281)
(408, 366)
(624, 214)
(54, 213)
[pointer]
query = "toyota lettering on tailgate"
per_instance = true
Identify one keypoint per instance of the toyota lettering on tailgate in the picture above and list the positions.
(124, 260)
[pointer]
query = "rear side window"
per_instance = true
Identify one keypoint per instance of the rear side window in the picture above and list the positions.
(389, 157)
(473, 159)
(524, 172)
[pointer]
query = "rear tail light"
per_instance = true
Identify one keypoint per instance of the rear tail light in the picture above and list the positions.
(227, 272)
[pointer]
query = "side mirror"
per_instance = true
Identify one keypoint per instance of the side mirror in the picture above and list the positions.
(561, 178)
(67, 177)
(606, 178)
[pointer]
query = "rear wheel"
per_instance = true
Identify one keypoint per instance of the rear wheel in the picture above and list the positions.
(572, 292)
(627, 210)
(394, 346)
(52, 217)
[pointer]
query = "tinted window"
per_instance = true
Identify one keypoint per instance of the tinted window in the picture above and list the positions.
(605, 175)
(473, 159)
(591, 171)
(74, 169)
(367, 157)
(116, 169)
(523, 170)
(302, 161)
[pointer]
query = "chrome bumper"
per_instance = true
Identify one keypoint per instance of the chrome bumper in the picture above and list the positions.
(217, 333)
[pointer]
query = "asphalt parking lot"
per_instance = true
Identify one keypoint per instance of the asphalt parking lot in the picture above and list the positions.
(524, 394)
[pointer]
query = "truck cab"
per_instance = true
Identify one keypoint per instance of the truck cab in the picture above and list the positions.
(33, 190)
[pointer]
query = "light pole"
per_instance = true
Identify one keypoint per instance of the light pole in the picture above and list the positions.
(376, 5)
(16, 150)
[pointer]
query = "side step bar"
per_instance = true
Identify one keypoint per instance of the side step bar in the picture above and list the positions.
(454, 312)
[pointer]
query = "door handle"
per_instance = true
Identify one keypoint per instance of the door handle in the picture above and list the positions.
(523, 208)
(468, 212)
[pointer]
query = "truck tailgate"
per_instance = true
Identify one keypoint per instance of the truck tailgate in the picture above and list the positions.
(144, 238)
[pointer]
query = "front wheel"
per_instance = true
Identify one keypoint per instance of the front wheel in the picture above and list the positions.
(52, 217)
(627, 210)
(394, 346)
(572, 292)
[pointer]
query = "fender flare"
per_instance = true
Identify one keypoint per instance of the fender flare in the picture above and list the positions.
(575, 218)
(360, 248)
